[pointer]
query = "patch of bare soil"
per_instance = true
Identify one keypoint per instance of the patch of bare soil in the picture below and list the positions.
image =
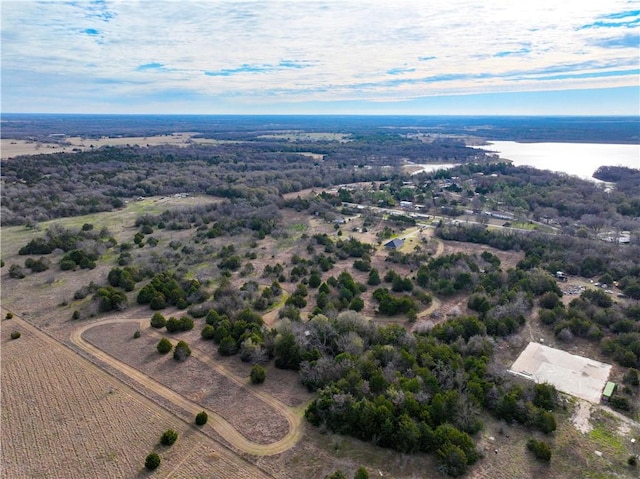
(252, 417)
(581, 416)
(62, 417)
(508, 259)
(282, 384)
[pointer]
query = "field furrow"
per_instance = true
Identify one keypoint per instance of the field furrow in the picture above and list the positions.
(77, 421)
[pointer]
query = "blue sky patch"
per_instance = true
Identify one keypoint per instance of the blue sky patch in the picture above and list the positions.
(258, 68)
(508, 53)
(400, 71)
(225, 72)
(616, 73)
(614, 16)
(630, 40)
(150, 66)
(606, 23)
(297, 65)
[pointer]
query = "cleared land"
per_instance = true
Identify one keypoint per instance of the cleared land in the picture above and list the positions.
(62, 417)
(11, 148)
(575, 375)
(259, 424)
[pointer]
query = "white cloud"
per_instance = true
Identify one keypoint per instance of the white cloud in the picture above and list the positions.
(373, 50)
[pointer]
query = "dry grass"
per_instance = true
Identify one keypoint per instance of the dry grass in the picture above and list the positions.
(12, 148)
(63, 417)
(194, 379)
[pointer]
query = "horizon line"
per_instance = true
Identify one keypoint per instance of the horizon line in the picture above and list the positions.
(383, 115)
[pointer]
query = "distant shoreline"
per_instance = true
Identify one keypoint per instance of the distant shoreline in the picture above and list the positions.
(577, 159)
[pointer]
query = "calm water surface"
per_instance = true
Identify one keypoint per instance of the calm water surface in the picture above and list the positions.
(578, 159)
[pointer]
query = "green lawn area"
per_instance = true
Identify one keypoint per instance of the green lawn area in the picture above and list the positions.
(524, 226)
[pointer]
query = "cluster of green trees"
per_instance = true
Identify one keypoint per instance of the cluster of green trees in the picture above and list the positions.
(110, 299)
(182, 351)
(411, 393)
(268, 297)
(596, 317)
(361, 473)
(165, 289)
(448, 275)
(502, 300)
(184, 323)
(57, 237)
(338, 294)
(37, 265)
(67, 240)
(153, 459)
(538, 194)
(391, 304)
(242, 333)
(78, 258)
(125, 278)
(44, 187)
(572, 255)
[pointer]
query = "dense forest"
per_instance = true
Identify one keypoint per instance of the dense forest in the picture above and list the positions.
(43, 187)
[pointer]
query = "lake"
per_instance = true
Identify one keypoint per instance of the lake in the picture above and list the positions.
(577, 159)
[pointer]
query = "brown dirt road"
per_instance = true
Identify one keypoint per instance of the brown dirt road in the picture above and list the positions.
(64, 402)
(218, 423)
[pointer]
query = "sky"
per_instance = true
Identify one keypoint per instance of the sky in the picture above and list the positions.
(425, 57)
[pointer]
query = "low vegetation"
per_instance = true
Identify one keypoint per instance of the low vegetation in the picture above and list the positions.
(182, 351)
(152, 461)
(540, 449)
(202, 418)
(164, 346)
(168, 437)
(258, 374)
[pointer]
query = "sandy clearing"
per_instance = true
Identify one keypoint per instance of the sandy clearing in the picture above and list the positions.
(581, 417)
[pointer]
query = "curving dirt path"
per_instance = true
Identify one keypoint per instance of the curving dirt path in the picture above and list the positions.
(231, 458)
(293, 415)
(217, 422)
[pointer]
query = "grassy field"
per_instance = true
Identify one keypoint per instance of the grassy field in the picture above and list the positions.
(117, 221)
